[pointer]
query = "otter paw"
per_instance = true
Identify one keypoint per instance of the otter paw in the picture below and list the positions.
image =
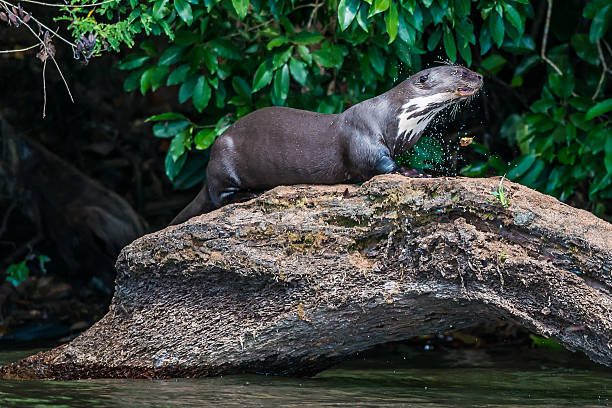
(412, 173)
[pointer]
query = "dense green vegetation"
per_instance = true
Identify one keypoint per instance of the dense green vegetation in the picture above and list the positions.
(227, 58)
(230, 57)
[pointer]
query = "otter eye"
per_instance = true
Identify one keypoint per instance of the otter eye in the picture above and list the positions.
(455, 72)
(423, 78)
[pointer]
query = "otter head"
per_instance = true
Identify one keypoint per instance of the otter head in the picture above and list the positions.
(447, 83)
(427, 93)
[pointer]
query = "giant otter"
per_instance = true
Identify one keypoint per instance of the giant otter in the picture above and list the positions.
(282, 146)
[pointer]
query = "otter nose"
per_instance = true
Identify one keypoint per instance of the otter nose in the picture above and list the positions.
(470, 75)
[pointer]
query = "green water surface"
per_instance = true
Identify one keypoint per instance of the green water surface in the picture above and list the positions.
(397, 376)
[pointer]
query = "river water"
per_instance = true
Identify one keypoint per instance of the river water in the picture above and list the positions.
(398, 376)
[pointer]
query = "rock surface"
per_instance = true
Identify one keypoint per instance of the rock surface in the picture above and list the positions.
(303, 276)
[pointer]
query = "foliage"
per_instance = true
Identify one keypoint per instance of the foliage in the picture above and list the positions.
(19, 272)
(227, 58)
(500, 194)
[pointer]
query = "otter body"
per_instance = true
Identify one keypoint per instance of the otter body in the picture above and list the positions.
(283, 146)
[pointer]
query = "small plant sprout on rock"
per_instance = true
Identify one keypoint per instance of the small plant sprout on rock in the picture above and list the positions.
(500, 194)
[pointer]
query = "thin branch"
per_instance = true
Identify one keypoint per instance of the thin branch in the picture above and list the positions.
(603, 71)
(42, 3)
(313, 13)
(63, 79)
(45, 47)
(6, 4)
(44, 89)
(545, 38)
(21, 50)
(607, 46)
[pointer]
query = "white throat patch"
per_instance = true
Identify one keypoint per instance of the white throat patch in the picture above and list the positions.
(416, 115)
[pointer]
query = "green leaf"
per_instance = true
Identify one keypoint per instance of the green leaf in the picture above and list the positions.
(277, 42)
(17, 273)
(132, 61)
(226, 49)
(281, 58)
(462, 7)
(171, 55)
(177, 145)
(132, 82)
(484, 40)
(599, 109)
(585, 49)
(330, 57)
(166, 116)
(298, 71)
(347, 10)
(520, 166)
(281, 83)
(391, 22)
(496, 27)
(184, 11)
(513, 16)
(186, 90)
(377, 59)
(241, 87)
(263, 76)
(241, 7)
(145, 80)
(201, 94)
(434, 39)
(149, 47)
(42, 260)
(600, 184)
(601, 23)
(449, 44)
(169, 129)
(362, 17)
(466, 52)
(305, 54)
(608, 158)
(307, 37)
(379, 7)
(161, 9)
(406, 32)
(173, 167)
(178, 75)
(493, 63)
(561, 85)
(158, 76)
(205, 138)
(526, 64)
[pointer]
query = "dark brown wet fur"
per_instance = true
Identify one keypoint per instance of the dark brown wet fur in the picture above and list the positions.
(284, 146)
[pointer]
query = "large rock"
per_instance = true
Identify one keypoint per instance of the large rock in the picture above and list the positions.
(303, 276)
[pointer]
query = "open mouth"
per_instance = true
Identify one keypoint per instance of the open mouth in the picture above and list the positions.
(466, 91)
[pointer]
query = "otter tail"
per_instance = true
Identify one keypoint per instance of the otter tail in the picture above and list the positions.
(200, 205)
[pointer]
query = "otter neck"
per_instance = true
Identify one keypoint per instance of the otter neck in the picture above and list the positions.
(410, 116)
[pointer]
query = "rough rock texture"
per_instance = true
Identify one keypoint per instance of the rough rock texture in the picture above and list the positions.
(303, 276)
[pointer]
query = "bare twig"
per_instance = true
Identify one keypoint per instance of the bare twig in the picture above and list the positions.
(545, 38)
(6, 4)
(50, 54)
(44, 89)
(21, 50)
(42, 3)
(603, 71)
(313, 14)
(63, 79)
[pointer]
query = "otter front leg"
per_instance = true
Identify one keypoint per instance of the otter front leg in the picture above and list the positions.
(385, 165)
